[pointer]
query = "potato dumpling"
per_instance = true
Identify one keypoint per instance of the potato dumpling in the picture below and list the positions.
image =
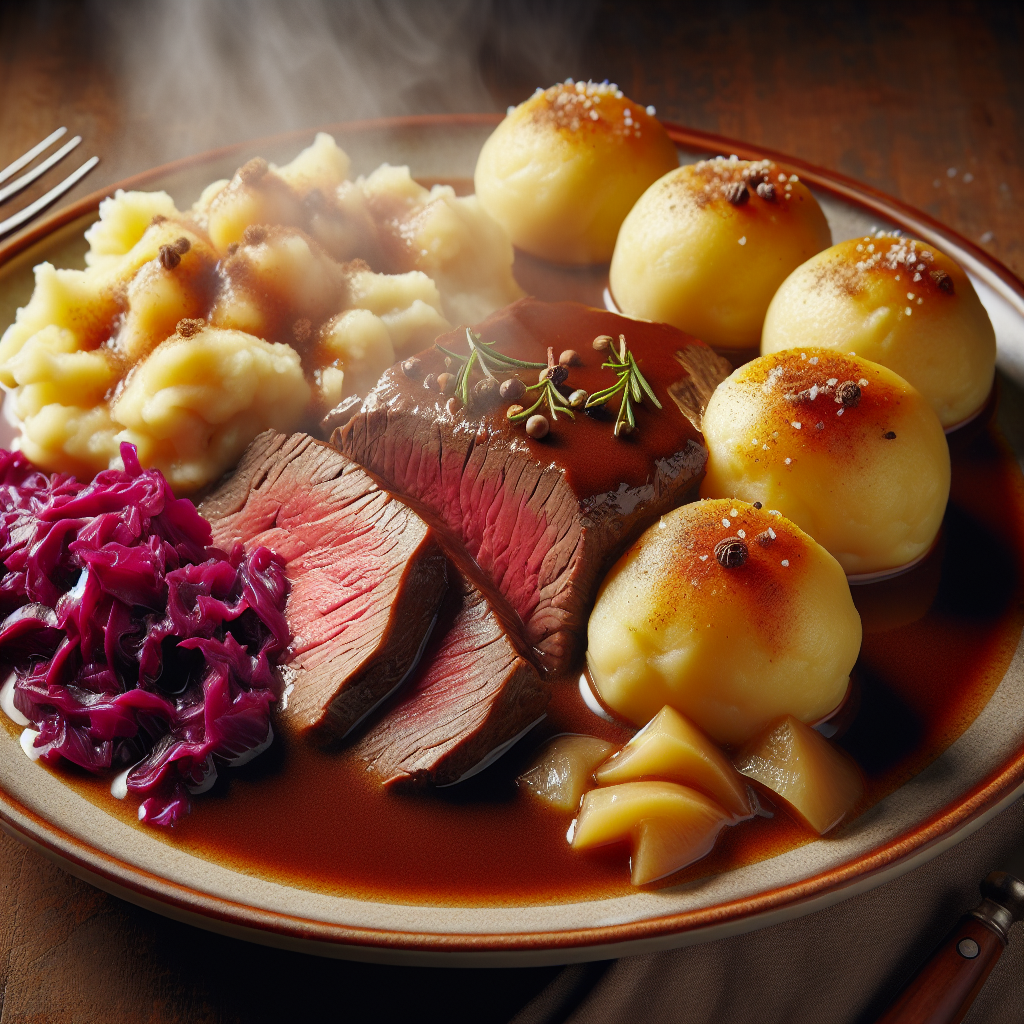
(668, 825)
(564, 768)
(673, 749)
(706, 247)
(819, 783)
(561, 172)
(898, 302)
(843, 447)
(729, 614)
(195, 403)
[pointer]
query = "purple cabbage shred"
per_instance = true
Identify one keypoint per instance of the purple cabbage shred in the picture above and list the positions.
(131, 643)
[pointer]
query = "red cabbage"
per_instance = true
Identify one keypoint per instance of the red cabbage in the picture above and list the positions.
(135, 644)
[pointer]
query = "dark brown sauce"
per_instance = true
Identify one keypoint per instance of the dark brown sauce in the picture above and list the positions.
(936, 645)
(595, 462)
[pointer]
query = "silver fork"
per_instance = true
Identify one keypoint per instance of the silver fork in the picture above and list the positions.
(22, 216)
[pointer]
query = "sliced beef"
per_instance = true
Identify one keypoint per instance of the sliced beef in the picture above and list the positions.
(543, 518)
(472, 695)
(366, 574)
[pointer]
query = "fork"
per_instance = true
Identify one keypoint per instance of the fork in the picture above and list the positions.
(22, 216)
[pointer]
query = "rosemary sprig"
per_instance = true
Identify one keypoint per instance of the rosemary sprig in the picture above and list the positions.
(631, 382)
(482, 352)
(557, 402)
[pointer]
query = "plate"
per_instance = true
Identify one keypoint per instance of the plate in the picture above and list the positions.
(972, 780)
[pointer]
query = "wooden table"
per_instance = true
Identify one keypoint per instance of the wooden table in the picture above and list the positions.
(924, 102)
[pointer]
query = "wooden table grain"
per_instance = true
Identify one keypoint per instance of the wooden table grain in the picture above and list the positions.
(925, 102)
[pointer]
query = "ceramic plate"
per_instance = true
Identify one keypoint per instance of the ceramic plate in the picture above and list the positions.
(975, 777)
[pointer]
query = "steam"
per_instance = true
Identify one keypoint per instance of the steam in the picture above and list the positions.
(196, 74)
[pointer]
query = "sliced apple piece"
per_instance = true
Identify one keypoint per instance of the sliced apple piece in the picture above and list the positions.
(672, 748)
(663, 846)
(564, 768)
(818, 783)
(668, 825)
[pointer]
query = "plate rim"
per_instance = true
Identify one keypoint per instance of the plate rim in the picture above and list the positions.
(927, 839)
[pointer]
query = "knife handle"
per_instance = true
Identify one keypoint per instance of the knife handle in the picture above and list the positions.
(943, 990)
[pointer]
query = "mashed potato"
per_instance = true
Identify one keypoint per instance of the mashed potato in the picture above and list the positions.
(283, 291)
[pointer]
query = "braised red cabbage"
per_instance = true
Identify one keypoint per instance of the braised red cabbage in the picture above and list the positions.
(134, 644)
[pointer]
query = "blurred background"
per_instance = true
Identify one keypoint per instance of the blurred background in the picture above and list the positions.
(925, 102)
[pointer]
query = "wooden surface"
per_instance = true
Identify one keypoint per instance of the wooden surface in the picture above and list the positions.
(923, 101)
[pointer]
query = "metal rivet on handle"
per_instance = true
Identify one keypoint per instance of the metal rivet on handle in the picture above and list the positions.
(968, 948)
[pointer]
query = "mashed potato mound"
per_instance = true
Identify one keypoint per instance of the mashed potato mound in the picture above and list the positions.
(193, 406)
(282, 292)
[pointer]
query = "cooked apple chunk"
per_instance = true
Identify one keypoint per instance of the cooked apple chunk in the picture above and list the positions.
(844, 447)
(564, 768)
(818, 783)
(729, 614)
(672, 748)
(898, 302)
(668, 825)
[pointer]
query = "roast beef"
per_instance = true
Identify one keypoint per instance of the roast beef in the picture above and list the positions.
(542, 518)
(472, 695)
(366, 575)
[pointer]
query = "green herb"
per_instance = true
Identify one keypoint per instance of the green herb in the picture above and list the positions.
(481, 352)
(548, 388)
(631, 383)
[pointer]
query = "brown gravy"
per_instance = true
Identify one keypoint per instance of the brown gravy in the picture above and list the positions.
(937, 641)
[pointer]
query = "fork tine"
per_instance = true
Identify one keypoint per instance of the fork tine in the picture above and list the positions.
(28, 157)
(7, 226)
(26, 179)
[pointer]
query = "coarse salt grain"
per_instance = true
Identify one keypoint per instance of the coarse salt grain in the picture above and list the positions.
(908, 311)
(742, 534)
(733, 512)
(796, 425)
(788, 461)
(743, 240)
(726, 523)
(785, 562)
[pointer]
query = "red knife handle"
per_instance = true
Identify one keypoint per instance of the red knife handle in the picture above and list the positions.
(943, 990)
